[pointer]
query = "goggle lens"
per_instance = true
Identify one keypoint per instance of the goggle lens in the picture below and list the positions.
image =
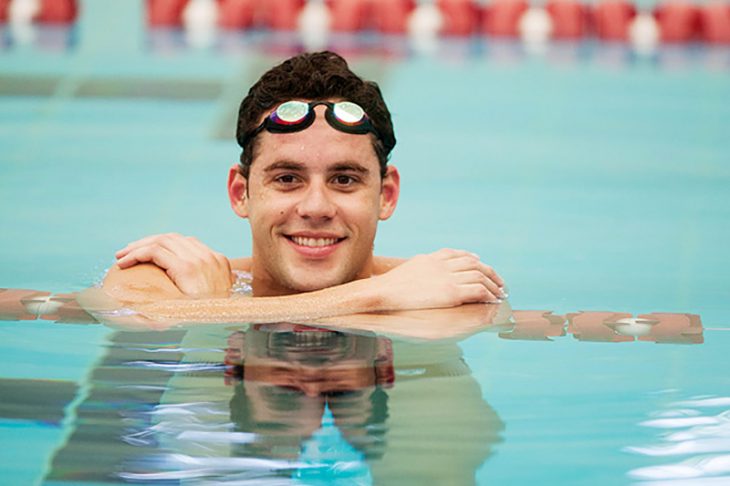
(348, 113)
(291, 112)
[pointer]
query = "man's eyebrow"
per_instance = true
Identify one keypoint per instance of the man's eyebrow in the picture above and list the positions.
(296, 166)
(349, 167)
(284, 165)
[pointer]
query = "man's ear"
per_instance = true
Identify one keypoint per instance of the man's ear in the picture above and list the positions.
(389, 192)
(238, 191)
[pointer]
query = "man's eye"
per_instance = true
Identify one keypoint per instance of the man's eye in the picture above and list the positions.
(286, 179)
(344, 180)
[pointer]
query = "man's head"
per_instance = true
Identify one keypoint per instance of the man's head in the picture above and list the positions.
(314, 196)
(313, 76)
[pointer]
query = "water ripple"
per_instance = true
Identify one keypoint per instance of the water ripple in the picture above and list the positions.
(680, 412)
(177, 367)
(183, 466)
(691, 468)
(684, 447)
(703, 438)
(175, 350)
(706, 402)
(675, 423)
(218, 437)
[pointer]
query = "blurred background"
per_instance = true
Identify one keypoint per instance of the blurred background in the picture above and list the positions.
(581, 148)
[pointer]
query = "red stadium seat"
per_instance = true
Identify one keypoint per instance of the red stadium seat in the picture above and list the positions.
(715, 22)
(612, 18)
(282, 14)
(502, 16)
(349, 15)
(57, 11)
(4, 4)
(678, 20)
(461, 17)
(236, 14)
(391, 16)
(164, 13)
(388, 16)
(570, 18)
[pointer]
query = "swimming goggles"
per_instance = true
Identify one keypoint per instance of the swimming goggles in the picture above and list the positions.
(295, 116)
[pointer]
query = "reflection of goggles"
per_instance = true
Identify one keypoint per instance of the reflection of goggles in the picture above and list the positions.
(295, 116)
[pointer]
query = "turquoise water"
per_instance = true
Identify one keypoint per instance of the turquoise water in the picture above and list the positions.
(592, 180)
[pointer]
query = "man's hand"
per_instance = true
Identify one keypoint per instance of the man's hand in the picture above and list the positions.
(195, 269)
(446, 278)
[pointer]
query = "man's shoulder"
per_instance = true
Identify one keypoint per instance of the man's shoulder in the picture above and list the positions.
(141, 283)
(241, 264)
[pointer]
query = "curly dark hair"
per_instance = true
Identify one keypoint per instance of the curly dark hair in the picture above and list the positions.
(314, 76)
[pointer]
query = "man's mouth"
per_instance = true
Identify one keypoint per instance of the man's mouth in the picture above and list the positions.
(311, 242)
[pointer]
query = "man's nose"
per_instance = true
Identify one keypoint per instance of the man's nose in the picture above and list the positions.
(316, 202)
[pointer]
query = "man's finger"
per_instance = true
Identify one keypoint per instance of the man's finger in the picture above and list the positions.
(203, 251)
(136, 244)
(489, 272)
(156, 254)
(450, 253)
(147, 241)
(469, 277)
(495, 289)
(463, 263)
(181, 247)
(477, 293)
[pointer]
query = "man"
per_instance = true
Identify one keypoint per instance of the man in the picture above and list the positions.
(313, 182)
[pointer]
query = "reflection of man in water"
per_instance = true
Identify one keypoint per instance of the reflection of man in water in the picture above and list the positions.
(287, 375)
(325, 405)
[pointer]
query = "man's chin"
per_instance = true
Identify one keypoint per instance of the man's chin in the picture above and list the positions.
(309, 286)
(309, 283)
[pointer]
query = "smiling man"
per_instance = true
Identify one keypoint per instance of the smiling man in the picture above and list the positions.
(314, 196)
(313, 181)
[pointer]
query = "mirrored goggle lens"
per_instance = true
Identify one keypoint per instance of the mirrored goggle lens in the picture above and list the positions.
(290, 113)
(349, 113)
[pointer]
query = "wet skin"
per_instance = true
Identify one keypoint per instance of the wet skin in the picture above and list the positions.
(313, 199)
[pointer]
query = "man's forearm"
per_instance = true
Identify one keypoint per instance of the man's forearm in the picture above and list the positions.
(442, 279)
(351, 298)
(147, 289)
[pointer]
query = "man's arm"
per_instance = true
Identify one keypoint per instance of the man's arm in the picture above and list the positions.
(446, 278)
(192, 269)
(176, 278)
(145, 282)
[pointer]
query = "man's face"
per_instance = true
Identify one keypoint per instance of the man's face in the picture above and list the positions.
(313, 201)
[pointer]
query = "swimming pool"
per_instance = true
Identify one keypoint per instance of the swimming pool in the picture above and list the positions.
(593, 181)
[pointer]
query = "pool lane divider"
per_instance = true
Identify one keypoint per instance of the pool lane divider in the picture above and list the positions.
(676, 21)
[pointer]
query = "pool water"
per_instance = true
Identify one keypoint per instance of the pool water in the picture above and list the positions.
(596, 182)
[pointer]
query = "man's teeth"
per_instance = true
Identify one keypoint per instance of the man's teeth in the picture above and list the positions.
(313, 242)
